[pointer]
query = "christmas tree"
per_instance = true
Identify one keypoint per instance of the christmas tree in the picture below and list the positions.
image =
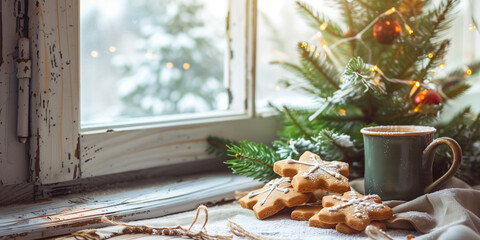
(376, 67)
(172, 78)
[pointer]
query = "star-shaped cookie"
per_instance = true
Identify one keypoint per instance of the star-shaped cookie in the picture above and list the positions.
(273, 197)
(353, 209)
(311, 173)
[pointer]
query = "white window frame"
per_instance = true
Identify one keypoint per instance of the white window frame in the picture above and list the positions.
(61, 151)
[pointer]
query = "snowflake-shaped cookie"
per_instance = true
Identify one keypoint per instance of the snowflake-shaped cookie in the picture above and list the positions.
(353, 209)
(273, 197)
(311, 173)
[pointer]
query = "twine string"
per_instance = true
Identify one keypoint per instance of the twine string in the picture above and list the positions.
(376, 233)
(91, 234)
(235, 228)
(201, 207)
(239, 231)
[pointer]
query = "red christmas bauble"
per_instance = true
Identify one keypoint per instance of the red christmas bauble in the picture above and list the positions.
(429, 97)
(386, 30)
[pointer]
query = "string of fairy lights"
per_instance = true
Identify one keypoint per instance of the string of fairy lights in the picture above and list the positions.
(326, 51)
(377, 73)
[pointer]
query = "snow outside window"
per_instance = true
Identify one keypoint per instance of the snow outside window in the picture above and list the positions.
(143, 59)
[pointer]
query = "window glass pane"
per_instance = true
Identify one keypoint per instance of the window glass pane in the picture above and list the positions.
(280, 29)
(144, 58)
(463, 50)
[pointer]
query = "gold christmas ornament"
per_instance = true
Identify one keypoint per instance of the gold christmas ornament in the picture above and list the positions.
(411, 8)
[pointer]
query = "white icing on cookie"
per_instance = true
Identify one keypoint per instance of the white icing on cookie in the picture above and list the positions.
(274, 185)
(361, 205)
(320, 167)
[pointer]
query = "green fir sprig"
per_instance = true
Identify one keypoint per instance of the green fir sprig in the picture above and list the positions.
(252, 160)
(465, 129)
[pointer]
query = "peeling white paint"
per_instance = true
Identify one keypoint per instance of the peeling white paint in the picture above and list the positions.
(55, 94)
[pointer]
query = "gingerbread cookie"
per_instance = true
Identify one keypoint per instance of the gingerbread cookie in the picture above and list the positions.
(341, 227)
(311, 173)
(315, 222)
(305, 212)
(353, 209)
(344, 228)
(273, 197)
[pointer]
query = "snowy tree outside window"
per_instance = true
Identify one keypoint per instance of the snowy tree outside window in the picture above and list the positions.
(148, 58)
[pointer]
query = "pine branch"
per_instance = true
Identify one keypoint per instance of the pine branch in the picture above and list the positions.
(329, 144)
(361, 98)
(300, 128)
(460, 72)
(288, 130)
(330, 34)
(464, 127)
(437, 56)
(253, 160)
(308, 80)
(442, 17)
(316, 20)
(340, 118)
(321, 67)
(330, 136)
(456, 90)
(219, 146)
(336, 146)
(455, 83)
(291, 67)
(427, 31)
(475, 129)
(392, 59)
(295, 84)
(294, 148)
(364, 4)
(348, 13)
(395, 116)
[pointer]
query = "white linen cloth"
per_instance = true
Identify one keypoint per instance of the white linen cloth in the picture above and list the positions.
(279, 226)
(452, 213)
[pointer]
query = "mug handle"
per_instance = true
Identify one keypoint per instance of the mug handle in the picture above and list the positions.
(429, 156)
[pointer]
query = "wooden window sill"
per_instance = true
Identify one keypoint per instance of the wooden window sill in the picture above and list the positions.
(64, 215)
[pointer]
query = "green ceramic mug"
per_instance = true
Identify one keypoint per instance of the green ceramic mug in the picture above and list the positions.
(399, 160)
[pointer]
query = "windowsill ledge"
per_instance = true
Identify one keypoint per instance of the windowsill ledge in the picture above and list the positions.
(151, 199)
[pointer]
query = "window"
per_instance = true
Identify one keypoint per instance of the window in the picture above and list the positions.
(64, 150)
(463, 50)
(277, 20)
(154, 58)
(61, 150)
